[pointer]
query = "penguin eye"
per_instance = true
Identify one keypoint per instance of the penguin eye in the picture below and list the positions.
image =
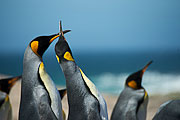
(68, 56)
(132, 84)
(34, 46)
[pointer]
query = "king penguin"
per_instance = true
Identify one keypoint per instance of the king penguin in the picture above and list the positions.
(7, 83)
(5, 106)
(85, 101)
(169, 111)
(40, 99)
(133, 100)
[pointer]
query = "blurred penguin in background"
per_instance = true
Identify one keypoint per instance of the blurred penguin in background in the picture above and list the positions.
(169, 111)
(133, 100)
(5, 106)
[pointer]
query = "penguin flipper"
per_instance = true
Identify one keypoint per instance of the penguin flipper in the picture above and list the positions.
(142, 110)
(97, 95)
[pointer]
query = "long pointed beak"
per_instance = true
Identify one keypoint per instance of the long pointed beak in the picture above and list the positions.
(61, 31)
(60, 28)
(13, 80)
(52, 39)
(144, 69)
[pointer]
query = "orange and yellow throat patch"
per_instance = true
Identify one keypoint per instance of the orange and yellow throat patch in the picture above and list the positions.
(68, 56)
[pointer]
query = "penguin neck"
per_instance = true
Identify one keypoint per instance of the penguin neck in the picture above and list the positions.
(29, 55)
(31, 64)
(72, 75)
(74, 81)
(68, 67)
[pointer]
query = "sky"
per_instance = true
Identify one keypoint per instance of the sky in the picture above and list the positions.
(97, 25)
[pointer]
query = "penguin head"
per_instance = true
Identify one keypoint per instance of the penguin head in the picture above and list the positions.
(62, 49)
(7, 83)
(41, 43)
(135, 79)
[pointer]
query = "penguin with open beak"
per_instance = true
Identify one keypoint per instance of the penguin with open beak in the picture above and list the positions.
(168, 111)
(5, 106)
(85, 101)
(40, 99)
(7, 83)
(133, 100)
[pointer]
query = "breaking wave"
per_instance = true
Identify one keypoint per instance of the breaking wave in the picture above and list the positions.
(153, 82)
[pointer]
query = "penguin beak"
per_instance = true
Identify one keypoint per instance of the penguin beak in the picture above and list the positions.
(144, 69)
(52, 39)
(60, 28)
(61, 33)
(13, 81)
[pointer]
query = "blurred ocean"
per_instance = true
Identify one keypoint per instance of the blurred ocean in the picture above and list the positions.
(109, 70)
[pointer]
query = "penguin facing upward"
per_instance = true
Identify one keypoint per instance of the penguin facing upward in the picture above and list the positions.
(5, 107)
(7, 83)
(85, 102)
(133, 100)
(168, 111)
(40, 99)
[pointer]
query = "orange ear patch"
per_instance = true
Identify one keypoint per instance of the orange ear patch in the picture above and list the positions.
(68, 56)
(34, 46)
(132, 84)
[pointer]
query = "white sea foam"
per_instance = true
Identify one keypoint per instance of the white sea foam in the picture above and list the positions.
(153, 82)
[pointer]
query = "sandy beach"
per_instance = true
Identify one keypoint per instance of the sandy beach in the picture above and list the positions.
(154, 101)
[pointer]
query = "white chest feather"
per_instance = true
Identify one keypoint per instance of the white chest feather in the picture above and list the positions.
(52, 90)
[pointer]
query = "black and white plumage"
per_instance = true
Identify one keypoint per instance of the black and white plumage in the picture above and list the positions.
(169, 111)
(85, 101)
(40, 99)
(133, 100)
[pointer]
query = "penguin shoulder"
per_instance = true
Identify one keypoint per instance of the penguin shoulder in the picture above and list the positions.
(163, 106)
(168, 110)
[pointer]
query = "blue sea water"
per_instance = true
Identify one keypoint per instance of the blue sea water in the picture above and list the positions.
(109, 70)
